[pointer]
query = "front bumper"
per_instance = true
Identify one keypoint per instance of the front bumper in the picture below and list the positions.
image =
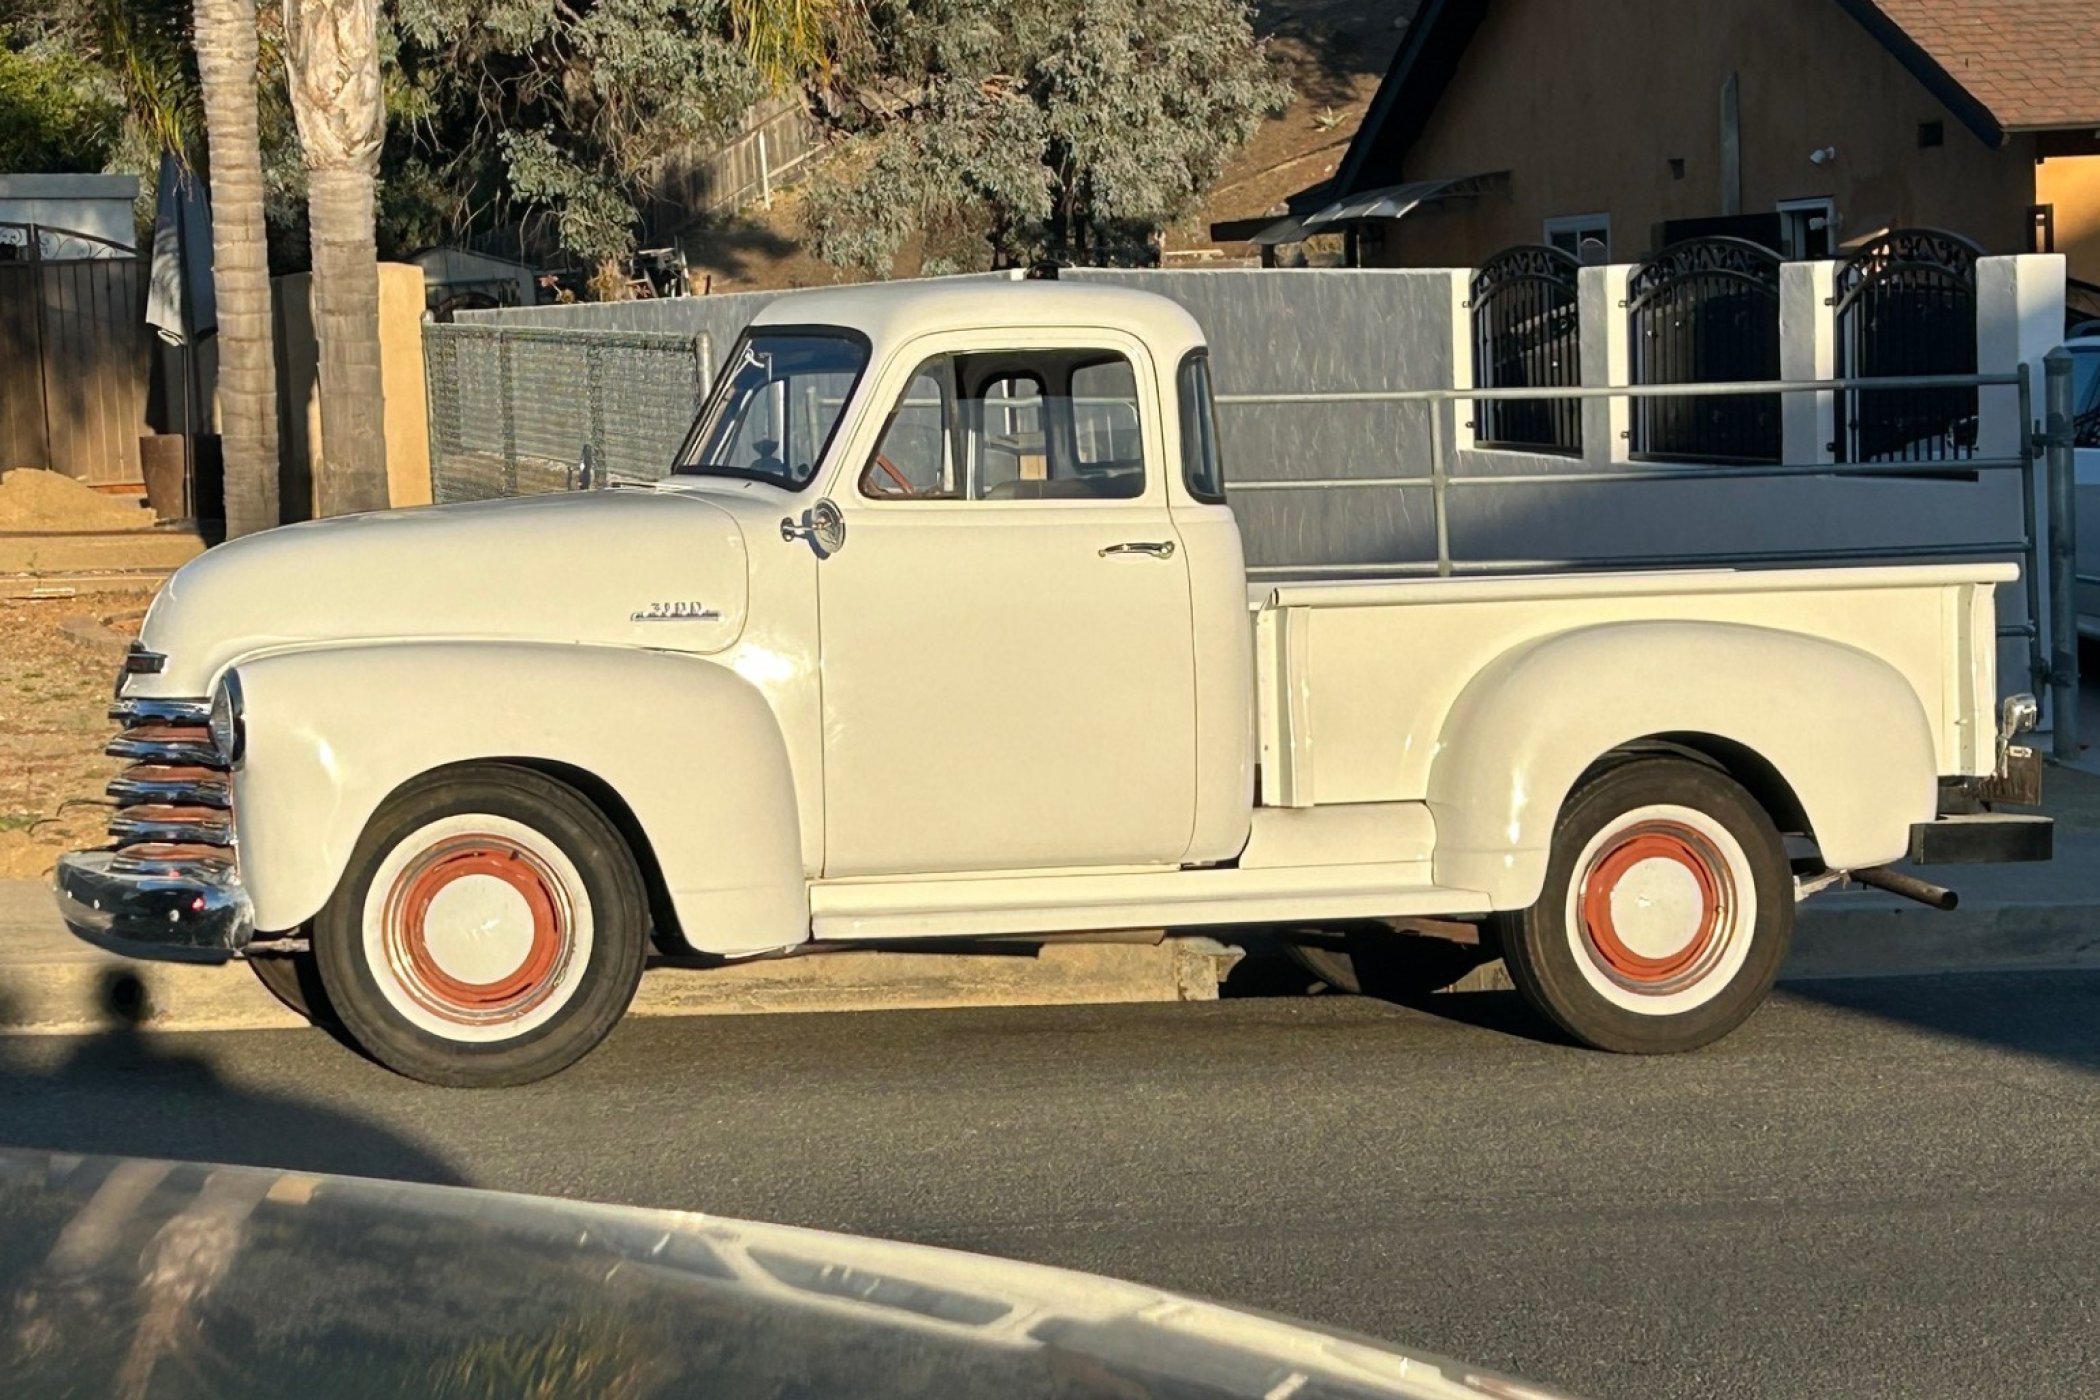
(181, 910)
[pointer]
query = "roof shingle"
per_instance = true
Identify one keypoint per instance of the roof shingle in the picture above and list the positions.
(2032, 63)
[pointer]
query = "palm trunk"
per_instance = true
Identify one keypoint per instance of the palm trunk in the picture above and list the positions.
(351, 474)
(226, 58)
(333, 57)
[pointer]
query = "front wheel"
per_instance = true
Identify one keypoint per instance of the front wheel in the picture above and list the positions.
(1667, 910)
(490, 930)
(294, 980)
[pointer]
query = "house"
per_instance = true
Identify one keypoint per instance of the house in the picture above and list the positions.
(1612, 128)
(76, 216)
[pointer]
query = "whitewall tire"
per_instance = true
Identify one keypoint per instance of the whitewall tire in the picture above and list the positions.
(490, 929)
(1667, 910)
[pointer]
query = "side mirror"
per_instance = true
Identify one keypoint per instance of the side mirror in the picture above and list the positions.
(822, 525)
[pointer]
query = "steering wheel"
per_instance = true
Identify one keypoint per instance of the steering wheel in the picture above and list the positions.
(889, 469)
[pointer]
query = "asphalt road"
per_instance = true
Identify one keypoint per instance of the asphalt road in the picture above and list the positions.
(1876, 1188)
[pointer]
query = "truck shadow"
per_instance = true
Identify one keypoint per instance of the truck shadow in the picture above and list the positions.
(123, 1092)
(2043, 1015)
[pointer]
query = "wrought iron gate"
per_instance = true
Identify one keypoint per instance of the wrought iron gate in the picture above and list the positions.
(1706, 311)
(1527, 333)
(1906, 305)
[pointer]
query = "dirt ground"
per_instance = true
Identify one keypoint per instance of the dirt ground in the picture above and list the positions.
(36, 500)
(54, 702)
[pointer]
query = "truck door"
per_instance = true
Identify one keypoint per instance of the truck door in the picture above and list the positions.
(1008, 673)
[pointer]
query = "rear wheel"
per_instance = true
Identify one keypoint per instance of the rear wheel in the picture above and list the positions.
(1667, 910)
(490, 930)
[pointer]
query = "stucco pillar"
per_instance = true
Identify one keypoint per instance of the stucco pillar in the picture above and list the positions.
(2019, 319)
(1807, 352)
(1453, 300)
(401, 302)
(1607, 360)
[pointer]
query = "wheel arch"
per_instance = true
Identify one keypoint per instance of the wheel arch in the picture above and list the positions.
(683, 756)
(663, 910)
(1757, 774)
(1531, 723)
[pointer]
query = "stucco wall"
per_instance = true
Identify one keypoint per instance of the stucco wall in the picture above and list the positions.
(407, 419)
(1586, 103)
(2072, 184)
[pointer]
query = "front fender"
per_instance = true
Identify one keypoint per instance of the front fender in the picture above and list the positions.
(1843, 728)
(690, 746)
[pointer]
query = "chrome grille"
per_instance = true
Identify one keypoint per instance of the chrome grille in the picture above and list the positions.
(176, 796)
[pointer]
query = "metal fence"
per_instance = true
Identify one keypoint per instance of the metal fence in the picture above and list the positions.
(511, 409)
(1706, 311)
(1527, 332)
(1906, 305)
(2052, 666)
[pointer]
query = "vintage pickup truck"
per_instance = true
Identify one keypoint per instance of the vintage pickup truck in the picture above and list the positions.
(940, 628)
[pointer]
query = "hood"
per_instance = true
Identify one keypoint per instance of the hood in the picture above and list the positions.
(595, 567)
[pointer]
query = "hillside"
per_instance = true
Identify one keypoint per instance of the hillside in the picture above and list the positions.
(1333, 52)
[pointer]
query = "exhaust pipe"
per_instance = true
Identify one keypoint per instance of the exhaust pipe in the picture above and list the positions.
(1882, 877)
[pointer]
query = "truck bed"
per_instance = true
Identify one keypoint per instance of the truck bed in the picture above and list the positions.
(1356, 677)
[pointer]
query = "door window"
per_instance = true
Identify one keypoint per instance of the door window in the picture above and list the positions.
(1034, 425)
(915, 457)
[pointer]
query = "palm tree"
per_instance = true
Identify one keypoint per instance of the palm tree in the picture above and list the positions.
(332, 60)
(141, 45)
(226, 63)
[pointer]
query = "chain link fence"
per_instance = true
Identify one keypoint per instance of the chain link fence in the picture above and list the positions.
(511, 408)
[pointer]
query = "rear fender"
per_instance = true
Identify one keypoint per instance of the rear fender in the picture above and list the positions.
(1842, 728)
(690, 747)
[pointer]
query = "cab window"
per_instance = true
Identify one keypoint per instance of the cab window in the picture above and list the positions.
(1030, 425)
(1200, 468)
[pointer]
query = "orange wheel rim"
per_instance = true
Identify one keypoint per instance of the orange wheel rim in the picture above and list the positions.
(1657, 972)
(444, 993)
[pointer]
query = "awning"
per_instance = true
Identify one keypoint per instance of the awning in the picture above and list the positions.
(1392, 202)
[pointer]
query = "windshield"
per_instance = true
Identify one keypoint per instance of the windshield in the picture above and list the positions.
(771, 413)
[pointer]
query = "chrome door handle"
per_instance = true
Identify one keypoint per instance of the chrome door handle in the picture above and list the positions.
(1158, 549)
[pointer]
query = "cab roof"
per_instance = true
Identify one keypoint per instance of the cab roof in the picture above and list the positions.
(889, 313)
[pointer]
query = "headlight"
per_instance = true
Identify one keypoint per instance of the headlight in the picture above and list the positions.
(229, 733)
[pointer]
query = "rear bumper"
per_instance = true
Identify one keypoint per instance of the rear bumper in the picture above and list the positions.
(1981, 838)
(172, 910)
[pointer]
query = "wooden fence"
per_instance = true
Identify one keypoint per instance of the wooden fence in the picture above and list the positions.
(74, 359)
(778, 136)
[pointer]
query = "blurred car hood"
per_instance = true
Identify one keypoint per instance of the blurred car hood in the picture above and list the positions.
(125, 1277)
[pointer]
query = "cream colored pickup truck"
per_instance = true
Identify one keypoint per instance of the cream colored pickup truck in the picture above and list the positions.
(940, 629)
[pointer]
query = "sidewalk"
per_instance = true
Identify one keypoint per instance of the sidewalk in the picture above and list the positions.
(2011, 917)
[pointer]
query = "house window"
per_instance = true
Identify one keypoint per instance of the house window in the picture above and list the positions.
(1807, 228)
(1571, 233)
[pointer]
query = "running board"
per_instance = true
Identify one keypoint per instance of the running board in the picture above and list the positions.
(982, 906)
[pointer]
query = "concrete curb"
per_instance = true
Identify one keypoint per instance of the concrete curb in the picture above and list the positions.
(90, 553)
(1868, 936)
(53, 984)
(65, 991)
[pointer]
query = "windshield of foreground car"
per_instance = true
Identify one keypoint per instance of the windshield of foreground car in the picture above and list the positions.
(772, 411)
